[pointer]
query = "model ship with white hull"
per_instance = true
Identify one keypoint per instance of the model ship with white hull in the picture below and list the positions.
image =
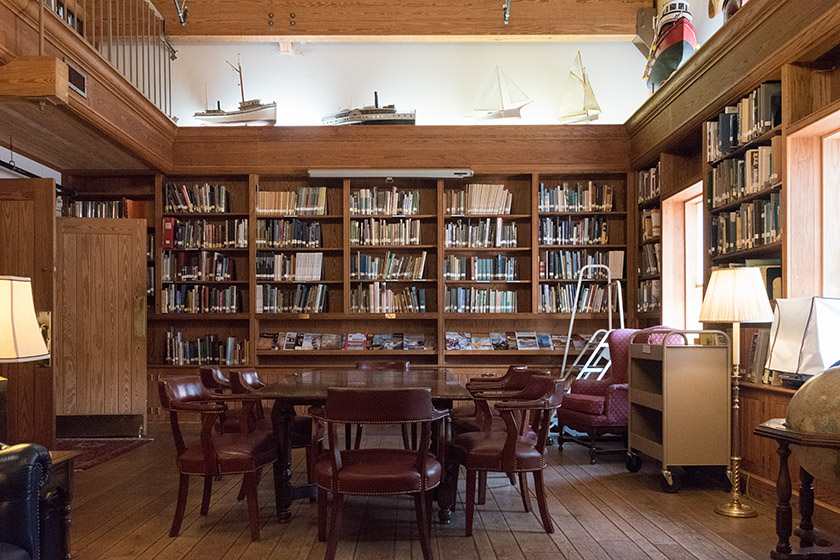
(370, 114)
(252, 111)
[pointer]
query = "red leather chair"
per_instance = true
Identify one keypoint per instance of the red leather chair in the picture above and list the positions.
(483, 384)
(381, 365)
(213, 454)
(215, 380)
(243, 382)
(377, 471)
(601, 407)
(511, 451)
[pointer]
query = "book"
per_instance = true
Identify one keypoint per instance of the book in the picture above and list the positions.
(544, 341)
(396, 342)
(481, 341)
(527, 340)
(299, 340)
(414, 342)
(558, 341)
(356, 341)
(511, 340)
(268, 341)
(458, 341)
(499, 341)
(289, 342)
(381, 342)
(332, 341)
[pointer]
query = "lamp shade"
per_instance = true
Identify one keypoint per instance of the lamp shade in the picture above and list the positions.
(736, 295)
(20, 335)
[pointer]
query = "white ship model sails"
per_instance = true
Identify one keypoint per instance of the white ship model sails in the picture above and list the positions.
(579, 103)
(502, 98)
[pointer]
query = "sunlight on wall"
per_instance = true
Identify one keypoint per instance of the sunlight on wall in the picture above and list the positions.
(442, 81)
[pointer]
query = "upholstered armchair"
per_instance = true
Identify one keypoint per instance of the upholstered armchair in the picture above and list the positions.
(215, 381)
(23, 471)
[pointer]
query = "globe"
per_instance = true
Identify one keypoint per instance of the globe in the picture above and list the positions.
(815, 408)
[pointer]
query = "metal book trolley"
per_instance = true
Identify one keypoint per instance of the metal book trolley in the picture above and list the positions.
(680, 407)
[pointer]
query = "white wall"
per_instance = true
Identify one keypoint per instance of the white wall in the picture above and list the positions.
(442, 81)
(27, 164)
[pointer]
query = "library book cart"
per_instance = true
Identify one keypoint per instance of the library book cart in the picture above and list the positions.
(679, 402)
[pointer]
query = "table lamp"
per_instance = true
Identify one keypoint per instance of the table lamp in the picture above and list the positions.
(736, 295)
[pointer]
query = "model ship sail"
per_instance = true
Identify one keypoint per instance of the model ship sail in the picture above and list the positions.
(579, 103)
(250, 112)
(501, 98)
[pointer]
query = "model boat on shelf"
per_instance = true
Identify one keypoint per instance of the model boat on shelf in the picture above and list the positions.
(579, 103)
(674, 41)
(501, 98)
(252, 111)
(370, 114)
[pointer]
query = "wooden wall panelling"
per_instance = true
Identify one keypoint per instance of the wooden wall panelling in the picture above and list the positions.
(679, 172)
(27, 225)
(801, 217)
(102, 312)
(673, 261)
(552, 149)
(830, 224)
(378, 20)
(751, 48)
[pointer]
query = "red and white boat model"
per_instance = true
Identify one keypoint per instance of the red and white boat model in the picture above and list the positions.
(674, 41)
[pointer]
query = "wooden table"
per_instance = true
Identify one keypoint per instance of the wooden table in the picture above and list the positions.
(310, 388)
(811, 544)
(60, 482)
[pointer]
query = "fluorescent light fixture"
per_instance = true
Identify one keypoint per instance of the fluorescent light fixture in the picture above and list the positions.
(376, 173)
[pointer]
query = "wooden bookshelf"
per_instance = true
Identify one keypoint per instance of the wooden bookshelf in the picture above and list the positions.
(647, 283)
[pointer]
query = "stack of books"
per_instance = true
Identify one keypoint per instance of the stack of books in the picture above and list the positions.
(566, 265)
(478, 200)
(556, 230)
(291, 234)
(651, 224)
(307, 201)
(205, 350)
(753, 224)
(650, 296)
(298, 267)
(479, 300)
(561, 299)
(391, 267)
(486, 233)
(378, 298)
(382, 232)
(178, 298)
(201, 199)
(738, 125)
(498, 268)
(384, 202)
(308, 298)
(649, 184)
(733, 179)
(582, 197)
(201, 234)
(206, 266)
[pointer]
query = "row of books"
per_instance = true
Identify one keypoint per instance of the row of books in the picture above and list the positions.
(307, 201)
(201, 234)
(648, 187)
(498, 268)
(379, 298)
(489, 232)
(561, 298)
(205, 350)
(739, 124)
(519, 340)
(303, 298)
(566, 265)
(582, 197)
(203, 199)
(288, 234)
(651, 224)
(478, 199)
(649, 296)
(384, 201)
(734, 179)
(150, 246)
(180, 298)
(150, 279)
(298, 267)
(390, 267)
(651, 256)
(556, 230)
(381, 232)
(206, 266)
(480, 300)
(752, 225)
(123, 208)
(290, 341)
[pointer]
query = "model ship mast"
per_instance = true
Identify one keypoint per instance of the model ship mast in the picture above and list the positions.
(238, 70)
(250, 112)
(501, 98)
(579, 103)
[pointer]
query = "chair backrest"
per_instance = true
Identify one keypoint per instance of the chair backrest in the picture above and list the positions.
(383, 365)
(213, 378)
(380, 406)
(619, 343)
(544, 396)
(245, 381)
(188, 394)
(24, 469)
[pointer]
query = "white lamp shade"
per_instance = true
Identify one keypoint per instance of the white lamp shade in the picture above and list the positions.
(20, 335)
(803, 337)
(736, 295)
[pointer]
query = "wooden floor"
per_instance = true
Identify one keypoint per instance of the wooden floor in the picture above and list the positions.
(123, 509)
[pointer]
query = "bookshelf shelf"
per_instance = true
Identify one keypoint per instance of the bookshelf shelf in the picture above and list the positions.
(574, 281)
(300, 249)
(486, 249)
(735, 204)
(650, 203)
(773, 249)
(614, 214)
(485, 216)
(325, 217)
(645, 277)
(594, 247)
(393, 216)
(343, 352)
(211, 250)
(546, 352)
(205, 282)
(651, 241)
(395, 281)
(219, 215)
(648, 314)
(754, 143)
(293, 282)
(201, 316)
(393, 248)
(485, 282)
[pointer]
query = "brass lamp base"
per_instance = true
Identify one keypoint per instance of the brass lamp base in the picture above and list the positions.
(736, 509)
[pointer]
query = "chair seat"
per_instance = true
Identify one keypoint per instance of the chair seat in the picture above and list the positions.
(483, 451)
(588, 404)
(462, 411)
(233, 416)
(12, 552)
(388, 471)
(237, 453)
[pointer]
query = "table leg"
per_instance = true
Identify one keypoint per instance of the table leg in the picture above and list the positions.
(281, 419)
(784, 516)
(806, 508)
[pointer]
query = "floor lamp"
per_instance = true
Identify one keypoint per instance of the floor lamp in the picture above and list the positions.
(736, 295)
(20, 334)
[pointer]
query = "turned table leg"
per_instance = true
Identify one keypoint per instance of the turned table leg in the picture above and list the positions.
(281, 418)
(806, 508)
(784, 518)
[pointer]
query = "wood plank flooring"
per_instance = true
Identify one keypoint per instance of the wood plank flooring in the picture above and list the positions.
(123, 508)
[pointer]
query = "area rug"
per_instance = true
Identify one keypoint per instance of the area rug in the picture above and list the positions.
(95, 451)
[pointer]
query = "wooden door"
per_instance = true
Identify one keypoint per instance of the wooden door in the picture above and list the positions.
(27, 248)
(101, 309)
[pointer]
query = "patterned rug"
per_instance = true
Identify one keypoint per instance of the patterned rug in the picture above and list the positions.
(95, 451)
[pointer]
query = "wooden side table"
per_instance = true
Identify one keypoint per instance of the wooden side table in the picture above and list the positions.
(61, 482)
(811, 546)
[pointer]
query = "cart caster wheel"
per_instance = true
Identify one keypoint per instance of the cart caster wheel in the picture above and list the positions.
(633, 463)
(674, 486)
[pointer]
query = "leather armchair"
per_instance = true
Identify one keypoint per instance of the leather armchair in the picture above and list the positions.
(215, 381)
(23, 471)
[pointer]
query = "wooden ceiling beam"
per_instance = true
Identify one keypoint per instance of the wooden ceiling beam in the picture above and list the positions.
(404, 20)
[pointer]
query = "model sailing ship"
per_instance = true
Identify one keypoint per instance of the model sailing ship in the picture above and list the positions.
(252, 111)
(501, 98)
(579, 103)
(370, 114)
(673, 42)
